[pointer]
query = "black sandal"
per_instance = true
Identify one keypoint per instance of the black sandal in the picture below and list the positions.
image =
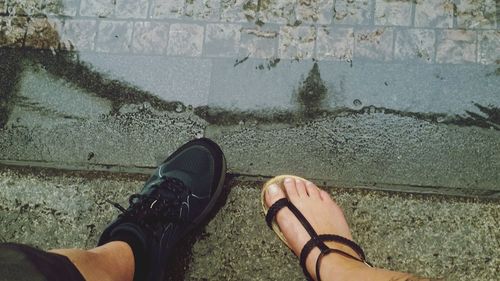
(316, 240)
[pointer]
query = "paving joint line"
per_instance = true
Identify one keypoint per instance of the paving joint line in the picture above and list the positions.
(141, 173)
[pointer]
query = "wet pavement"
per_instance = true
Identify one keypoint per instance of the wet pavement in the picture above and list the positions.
(367, 94)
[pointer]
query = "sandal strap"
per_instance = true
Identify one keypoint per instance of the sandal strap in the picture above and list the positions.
(271, 214)
(274, 209)
(334, 251)
(308, 227)
(284, 202)
(347, 242)
(316, 240)
(306, 250)
(335, 238)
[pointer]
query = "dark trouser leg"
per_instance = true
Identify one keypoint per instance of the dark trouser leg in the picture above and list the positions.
(24, 263)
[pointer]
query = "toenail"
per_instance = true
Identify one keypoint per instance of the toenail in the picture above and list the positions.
(273, 189)
(288, 180)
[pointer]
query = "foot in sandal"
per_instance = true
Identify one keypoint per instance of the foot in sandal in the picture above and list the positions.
(298, 210)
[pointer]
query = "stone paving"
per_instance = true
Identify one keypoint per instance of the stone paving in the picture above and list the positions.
(432, 236)
(440, 31)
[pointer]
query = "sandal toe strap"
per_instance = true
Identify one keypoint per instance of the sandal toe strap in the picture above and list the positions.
(274, 209)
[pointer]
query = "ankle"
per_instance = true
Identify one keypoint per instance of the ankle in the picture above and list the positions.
(336, 267)
(117, 257)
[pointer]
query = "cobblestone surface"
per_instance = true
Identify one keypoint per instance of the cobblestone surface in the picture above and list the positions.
(79, 35)
(203, 9)
(374, 43)
(315, 11)
(489, 47)
(302, 29)
(222, 40)
(96, 8)
(393, 12)
(354, 12)
(259, 43)
(3, 7)
(114, 36)
(434, 13)
(335, 43)
(297, 42)
(238, 10)
(456, 46)
(43, 34)
(283, 12)
(150, 37)
(415, 44)
(168, 8)
(186, 40)
(476, 14)
(131, 9)
(12, 31)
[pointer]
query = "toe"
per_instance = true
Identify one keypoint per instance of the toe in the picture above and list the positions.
(301, 187)
(273, 194)
(312, 189)
(291, 188)
(324, 195)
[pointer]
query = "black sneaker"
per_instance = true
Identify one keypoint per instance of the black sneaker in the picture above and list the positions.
(175, 200)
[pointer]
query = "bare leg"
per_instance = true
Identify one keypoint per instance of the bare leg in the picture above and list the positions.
(113, 261)
(326, 217)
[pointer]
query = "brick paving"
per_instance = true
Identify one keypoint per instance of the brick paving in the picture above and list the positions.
(431, 32)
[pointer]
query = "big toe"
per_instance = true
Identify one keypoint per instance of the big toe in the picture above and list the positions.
(273, 194)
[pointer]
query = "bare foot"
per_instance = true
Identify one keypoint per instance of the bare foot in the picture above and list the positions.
(324, 215)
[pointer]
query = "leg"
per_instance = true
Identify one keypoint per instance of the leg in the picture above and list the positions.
(326, 217)
(113, 261)
(177, 198)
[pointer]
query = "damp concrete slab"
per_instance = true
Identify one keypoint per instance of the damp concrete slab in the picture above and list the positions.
(110, 140)
(388, 126)
(262, 85)
(257, 85)
(47, 100)
(433, 236)
(186, 80)
(423, 88)
(53, 119)
(373, 149)
(357, 125)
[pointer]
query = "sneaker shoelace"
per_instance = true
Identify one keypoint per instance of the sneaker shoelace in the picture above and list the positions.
(156, 210)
